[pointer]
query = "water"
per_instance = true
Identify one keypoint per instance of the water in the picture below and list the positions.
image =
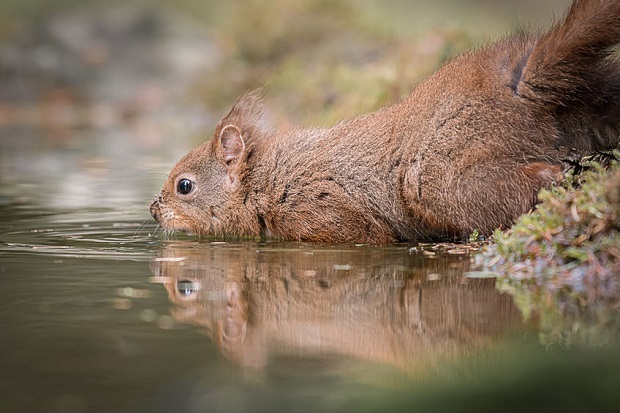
(101, 313)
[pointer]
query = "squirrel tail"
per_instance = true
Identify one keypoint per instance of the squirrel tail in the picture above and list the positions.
(574, 70)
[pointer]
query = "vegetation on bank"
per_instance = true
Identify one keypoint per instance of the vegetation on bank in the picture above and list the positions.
(561, 262)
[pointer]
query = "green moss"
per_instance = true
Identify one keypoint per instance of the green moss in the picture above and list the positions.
(562, 261)
(572, 236)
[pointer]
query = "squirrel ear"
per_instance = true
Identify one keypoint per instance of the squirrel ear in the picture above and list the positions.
(231, 144)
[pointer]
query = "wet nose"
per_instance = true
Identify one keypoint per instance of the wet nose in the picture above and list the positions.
(154, 209)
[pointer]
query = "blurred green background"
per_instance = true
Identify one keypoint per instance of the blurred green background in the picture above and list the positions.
(68, 64)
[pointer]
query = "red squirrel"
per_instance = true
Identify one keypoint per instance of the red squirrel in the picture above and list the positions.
(467, 151)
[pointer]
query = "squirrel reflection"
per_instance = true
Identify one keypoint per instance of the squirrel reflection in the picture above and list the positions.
(259, 301)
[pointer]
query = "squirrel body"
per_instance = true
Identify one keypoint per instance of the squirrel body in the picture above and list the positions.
(468, 150)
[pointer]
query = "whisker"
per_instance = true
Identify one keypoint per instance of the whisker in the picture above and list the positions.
(160, 229)
(137, 232)
(159, 173)
(141, 229)
(168, 234)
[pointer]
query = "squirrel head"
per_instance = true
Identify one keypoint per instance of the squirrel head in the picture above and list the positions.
(205, 192)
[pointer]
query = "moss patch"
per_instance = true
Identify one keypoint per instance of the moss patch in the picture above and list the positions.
(561, 262)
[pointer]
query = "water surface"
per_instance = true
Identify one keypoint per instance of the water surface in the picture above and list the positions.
(102, 313)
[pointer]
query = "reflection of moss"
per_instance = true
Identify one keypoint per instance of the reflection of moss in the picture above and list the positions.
(563, 260)
(563, 320)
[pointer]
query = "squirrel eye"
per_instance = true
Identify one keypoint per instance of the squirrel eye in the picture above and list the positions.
(185, 186)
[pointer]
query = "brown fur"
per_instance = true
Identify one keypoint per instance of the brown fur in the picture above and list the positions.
(468, 150)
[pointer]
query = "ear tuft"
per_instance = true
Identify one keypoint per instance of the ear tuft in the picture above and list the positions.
(231, 144)
(247, 112)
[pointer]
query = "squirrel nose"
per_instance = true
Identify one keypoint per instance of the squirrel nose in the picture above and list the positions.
(154, 209)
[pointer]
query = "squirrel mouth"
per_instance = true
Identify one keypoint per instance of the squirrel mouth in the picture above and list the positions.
(166, 217)
(163, 215)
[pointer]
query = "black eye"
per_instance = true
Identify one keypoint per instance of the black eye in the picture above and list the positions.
(185, 186)
(186, 287)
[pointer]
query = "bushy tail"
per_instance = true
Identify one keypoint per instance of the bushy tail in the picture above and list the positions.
(574, 70)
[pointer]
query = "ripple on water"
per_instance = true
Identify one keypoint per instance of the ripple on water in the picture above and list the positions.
(104, 234)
